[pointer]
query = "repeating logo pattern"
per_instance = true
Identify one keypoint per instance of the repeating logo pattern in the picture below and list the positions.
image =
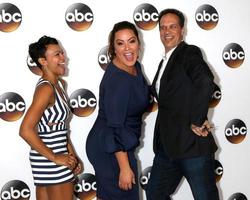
(79, 17)
(85, 188)
(216, 97)
(103, 58)
(12, 106)
(206, 17)
(82, 102)
(153, 105)
(144, 177)
(10, 17)
(218, 170)
(233, 55)
(146, 16)
(237, 196)
(33, 67)
(235, 131)
(15, 189)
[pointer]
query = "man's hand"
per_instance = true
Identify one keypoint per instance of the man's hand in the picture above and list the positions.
(203, 131)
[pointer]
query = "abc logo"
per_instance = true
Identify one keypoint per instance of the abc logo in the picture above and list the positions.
(153, 105)
(79, 17)
(237, 196)
(15, 190)
(218, 170)
(146, 16)
(206, 17)
(216, 97)
(103, 58)
(10, 17)
(235, 131)
(82, 102)
(145, 175)
(233, 55)
(85, 188)
(12, 106)
(33, 67)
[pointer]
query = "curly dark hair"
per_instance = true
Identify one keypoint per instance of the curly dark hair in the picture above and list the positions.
(37, 49)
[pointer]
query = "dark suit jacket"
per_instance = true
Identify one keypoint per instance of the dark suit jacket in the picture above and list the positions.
(186, 88)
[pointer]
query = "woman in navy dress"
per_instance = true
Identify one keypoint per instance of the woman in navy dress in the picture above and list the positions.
(123, 98)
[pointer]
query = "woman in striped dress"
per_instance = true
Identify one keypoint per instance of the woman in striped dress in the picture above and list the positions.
(44, 127)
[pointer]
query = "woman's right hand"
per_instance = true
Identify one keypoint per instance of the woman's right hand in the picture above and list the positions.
(66, 159)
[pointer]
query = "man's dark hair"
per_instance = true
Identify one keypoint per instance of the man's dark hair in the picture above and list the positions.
(176, 12)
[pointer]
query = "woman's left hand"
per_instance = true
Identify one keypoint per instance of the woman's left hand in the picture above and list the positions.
(126, 179)
(79, 168)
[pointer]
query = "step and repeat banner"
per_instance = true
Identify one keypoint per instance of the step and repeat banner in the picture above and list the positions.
(220, 28)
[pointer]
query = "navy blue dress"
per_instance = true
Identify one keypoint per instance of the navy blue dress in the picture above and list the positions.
(123, 99)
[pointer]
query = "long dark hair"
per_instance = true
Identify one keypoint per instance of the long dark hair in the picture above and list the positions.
(117, 27)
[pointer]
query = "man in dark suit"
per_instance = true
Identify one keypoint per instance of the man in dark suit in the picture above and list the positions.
(183, 144)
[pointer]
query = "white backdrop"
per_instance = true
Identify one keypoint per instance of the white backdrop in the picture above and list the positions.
(82, 47)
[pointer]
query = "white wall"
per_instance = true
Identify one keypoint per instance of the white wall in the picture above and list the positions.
(82, 47)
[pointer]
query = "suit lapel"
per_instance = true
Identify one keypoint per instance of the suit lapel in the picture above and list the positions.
(171, 61)
(155, 79)
(168, 67)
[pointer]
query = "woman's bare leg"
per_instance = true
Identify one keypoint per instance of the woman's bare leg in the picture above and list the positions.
(41, 193)
(63, 191)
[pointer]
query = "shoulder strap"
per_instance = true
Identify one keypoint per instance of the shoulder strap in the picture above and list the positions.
(41, 81)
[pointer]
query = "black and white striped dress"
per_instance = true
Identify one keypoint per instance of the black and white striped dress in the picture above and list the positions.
(52, 129)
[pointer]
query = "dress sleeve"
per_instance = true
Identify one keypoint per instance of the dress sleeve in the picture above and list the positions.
(118, 137)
